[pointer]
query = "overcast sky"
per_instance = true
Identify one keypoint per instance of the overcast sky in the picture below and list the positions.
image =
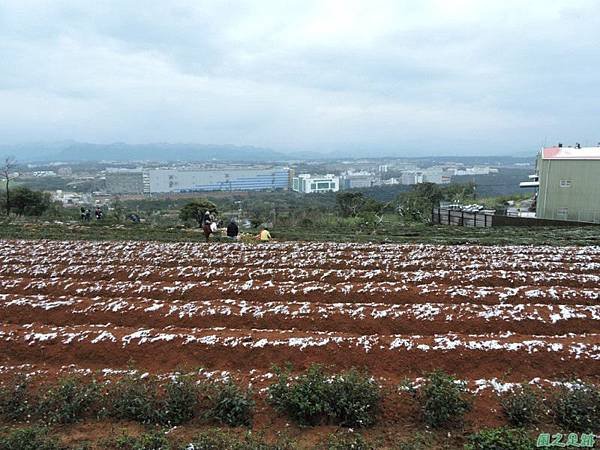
(387, 77)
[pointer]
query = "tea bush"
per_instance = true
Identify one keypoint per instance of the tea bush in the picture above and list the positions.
(522, 406)
(443, 401)
(578, 408)
(231, 405)
(418, 441)
(211, 440)
(134, 398)
(354, 399)
(152, 441)
(69, 400)
(349, 399)
(305, 399)
(32, 438)
(16, 400)
(500, 439)
(217, 439)
(181, 400)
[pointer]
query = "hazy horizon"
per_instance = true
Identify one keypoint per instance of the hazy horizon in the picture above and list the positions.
(389, 78)
(70, 150)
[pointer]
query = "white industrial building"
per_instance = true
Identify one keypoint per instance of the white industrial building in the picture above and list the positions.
(411, 177)
(430, 175)
(308, 184)
(477, 170)
(437, 176)
(218, 179)
(71, 199)
(362, 179)
(193, 179)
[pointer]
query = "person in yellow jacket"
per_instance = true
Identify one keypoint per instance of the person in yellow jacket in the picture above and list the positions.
(264, 235)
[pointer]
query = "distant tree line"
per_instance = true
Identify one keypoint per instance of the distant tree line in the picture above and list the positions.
(23, 201)
(416, 205)
(348, 208)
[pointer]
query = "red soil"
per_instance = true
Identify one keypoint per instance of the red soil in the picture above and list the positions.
(510, 313)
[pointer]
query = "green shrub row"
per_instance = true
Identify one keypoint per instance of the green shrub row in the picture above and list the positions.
(29, 439)
(35, 438)
(348, 399)
(443, 402)
(144, 400)
(576, 408)
(500, 439)
(215, 439)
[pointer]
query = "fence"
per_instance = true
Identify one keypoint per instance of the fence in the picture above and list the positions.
(443, 216)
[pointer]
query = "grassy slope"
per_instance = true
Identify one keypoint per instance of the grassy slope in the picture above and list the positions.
(414, 233)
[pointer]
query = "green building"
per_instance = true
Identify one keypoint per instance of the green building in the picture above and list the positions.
(568, 184)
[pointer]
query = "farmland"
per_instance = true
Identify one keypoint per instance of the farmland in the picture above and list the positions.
(493, 316)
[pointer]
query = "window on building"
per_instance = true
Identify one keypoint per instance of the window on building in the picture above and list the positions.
(313, 186)
(565, 183)
(562, 213)
(323, 185)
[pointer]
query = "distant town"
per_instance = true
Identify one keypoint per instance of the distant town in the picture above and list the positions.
(557, 194)
(84, 183)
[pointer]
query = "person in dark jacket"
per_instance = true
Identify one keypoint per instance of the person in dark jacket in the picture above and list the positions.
(232, 230)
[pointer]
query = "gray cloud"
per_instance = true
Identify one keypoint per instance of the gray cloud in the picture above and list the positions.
(385, 76)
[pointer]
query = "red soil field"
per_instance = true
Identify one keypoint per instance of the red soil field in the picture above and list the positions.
(493, 316)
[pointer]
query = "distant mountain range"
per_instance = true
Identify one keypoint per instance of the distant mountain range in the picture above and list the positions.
(72, 151)
(79, 151)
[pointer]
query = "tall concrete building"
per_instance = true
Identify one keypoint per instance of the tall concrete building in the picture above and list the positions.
(568, 183)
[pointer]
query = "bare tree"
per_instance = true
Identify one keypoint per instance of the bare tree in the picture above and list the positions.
(6, 171)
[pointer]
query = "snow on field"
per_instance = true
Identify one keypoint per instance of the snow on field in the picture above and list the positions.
(76, 305)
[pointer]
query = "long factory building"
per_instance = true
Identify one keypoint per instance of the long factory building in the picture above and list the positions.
(228, 178)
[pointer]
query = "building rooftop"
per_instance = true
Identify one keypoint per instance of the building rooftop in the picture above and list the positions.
(310, 176)
(571, 153)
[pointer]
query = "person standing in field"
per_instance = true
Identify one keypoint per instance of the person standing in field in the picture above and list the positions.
(209, 224)
(264, 235)
(205, 219)
(232, 230)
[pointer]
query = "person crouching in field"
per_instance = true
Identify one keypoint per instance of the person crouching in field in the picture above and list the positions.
(264, 235)
(233, 230)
